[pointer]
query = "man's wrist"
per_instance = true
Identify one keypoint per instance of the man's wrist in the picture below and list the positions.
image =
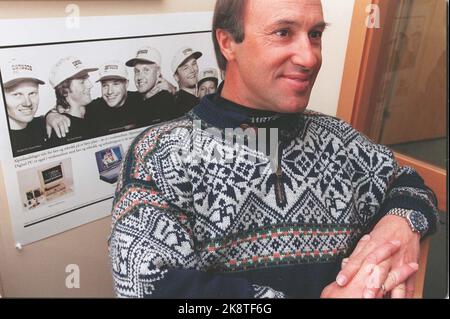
(416, 221)
(53, 110)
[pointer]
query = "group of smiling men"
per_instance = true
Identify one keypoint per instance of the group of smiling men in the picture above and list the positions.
(76, 116)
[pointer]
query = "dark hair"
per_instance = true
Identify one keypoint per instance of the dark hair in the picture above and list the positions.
(228, 16)
(61, 91)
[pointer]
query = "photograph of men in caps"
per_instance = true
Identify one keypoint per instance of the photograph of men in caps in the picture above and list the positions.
(115, 110)
(70, 79)
(208, 82)
(157, 103)
(21, 87)
(185, 72)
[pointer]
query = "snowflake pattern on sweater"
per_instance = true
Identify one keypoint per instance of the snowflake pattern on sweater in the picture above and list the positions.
(189, 224)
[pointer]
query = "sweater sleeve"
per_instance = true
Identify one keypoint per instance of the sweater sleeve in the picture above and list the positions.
(152, 249)
(380, 184)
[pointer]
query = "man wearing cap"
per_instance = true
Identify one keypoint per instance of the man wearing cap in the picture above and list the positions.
(21, 87)
(156, 105)
(185, 72)
(70, 79)
(117, 109)
(208, 82)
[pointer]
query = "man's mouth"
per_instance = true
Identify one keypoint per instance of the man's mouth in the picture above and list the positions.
(299, 82)
(27, 111)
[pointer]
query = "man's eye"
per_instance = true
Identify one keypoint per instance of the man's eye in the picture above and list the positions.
(316, 34)
(282, 33)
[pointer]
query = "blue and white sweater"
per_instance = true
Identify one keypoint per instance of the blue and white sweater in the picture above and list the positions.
(199, 216)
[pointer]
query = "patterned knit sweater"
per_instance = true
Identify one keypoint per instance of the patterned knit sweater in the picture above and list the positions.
(197, 215)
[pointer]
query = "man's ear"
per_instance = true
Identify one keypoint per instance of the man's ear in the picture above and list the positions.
(226, 43)
(176, 77)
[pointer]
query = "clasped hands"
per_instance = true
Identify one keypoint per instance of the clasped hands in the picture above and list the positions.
(383, 264)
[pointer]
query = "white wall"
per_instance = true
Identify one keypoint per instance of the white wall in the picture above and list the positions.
(325, 95)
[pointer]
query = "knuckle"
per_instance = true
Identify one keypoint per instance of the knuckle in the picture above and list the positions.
(372, 258)
(392, 276)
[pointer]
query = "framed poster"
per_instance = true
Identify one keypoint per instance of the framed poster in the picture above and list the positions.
(58, 183)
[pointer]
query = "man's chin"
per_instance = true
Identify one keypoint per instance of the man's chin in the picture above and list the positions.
(293, 107)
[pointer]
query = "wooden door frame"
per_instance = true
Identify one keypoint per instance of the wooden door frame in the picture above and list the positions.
(360, 71)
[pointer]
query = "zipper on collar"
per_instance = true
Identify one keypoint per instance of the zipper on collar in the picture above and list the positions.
(280, 192)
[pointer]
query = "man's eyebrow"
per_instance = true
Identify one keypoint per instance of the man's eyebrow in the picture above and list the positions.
(321, 25)
(287, 22)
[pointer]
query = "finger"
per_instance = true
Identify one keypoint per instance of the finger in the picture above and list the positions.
(361, 244)
(382, 253)
(399, 275)
(370, 273)
(61, 130)
(411, 286)
(66, 126)
(344, 263)
(377, 256)
(378, 275)
(57, 131)
(353, 263)
(49, 130)
(67, 122)
(399, 292)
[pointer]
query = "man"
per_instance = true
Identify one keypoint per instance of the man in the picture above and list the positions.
(70, 80)
(21, 87)
(158, 104)
(207, 82)
(116, 109)
(185, 72)
(199, 217)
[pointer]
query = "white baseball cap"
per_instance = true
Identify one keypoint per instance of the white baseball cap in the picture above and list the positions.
(145, 55)
(182, 55)
(112, 70)
(17, 71)
(67, 68)
(208, 74)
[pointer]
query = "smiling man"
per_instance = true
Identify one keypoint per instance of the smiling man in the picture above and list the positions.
(185, 71)
(157, 105)
(207, 82)
(21, 86)
(117, 109)
(70, 79)
(199, 216)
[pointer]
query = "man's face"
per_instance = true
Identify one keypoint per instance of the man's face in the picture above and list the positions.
(145, 76)
(187, 74)
(22, 101)
(277, 63)
(207, 87)
(80, 91)
(114, 92)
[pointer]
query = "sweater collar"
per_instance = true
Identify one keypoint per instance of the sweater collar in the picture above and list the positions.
(222, 113)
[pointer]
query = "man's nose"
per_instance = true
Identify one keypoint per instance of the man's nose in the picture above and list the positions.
(27, 101)
(110, 90)
(307, 55)
(89, 84)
